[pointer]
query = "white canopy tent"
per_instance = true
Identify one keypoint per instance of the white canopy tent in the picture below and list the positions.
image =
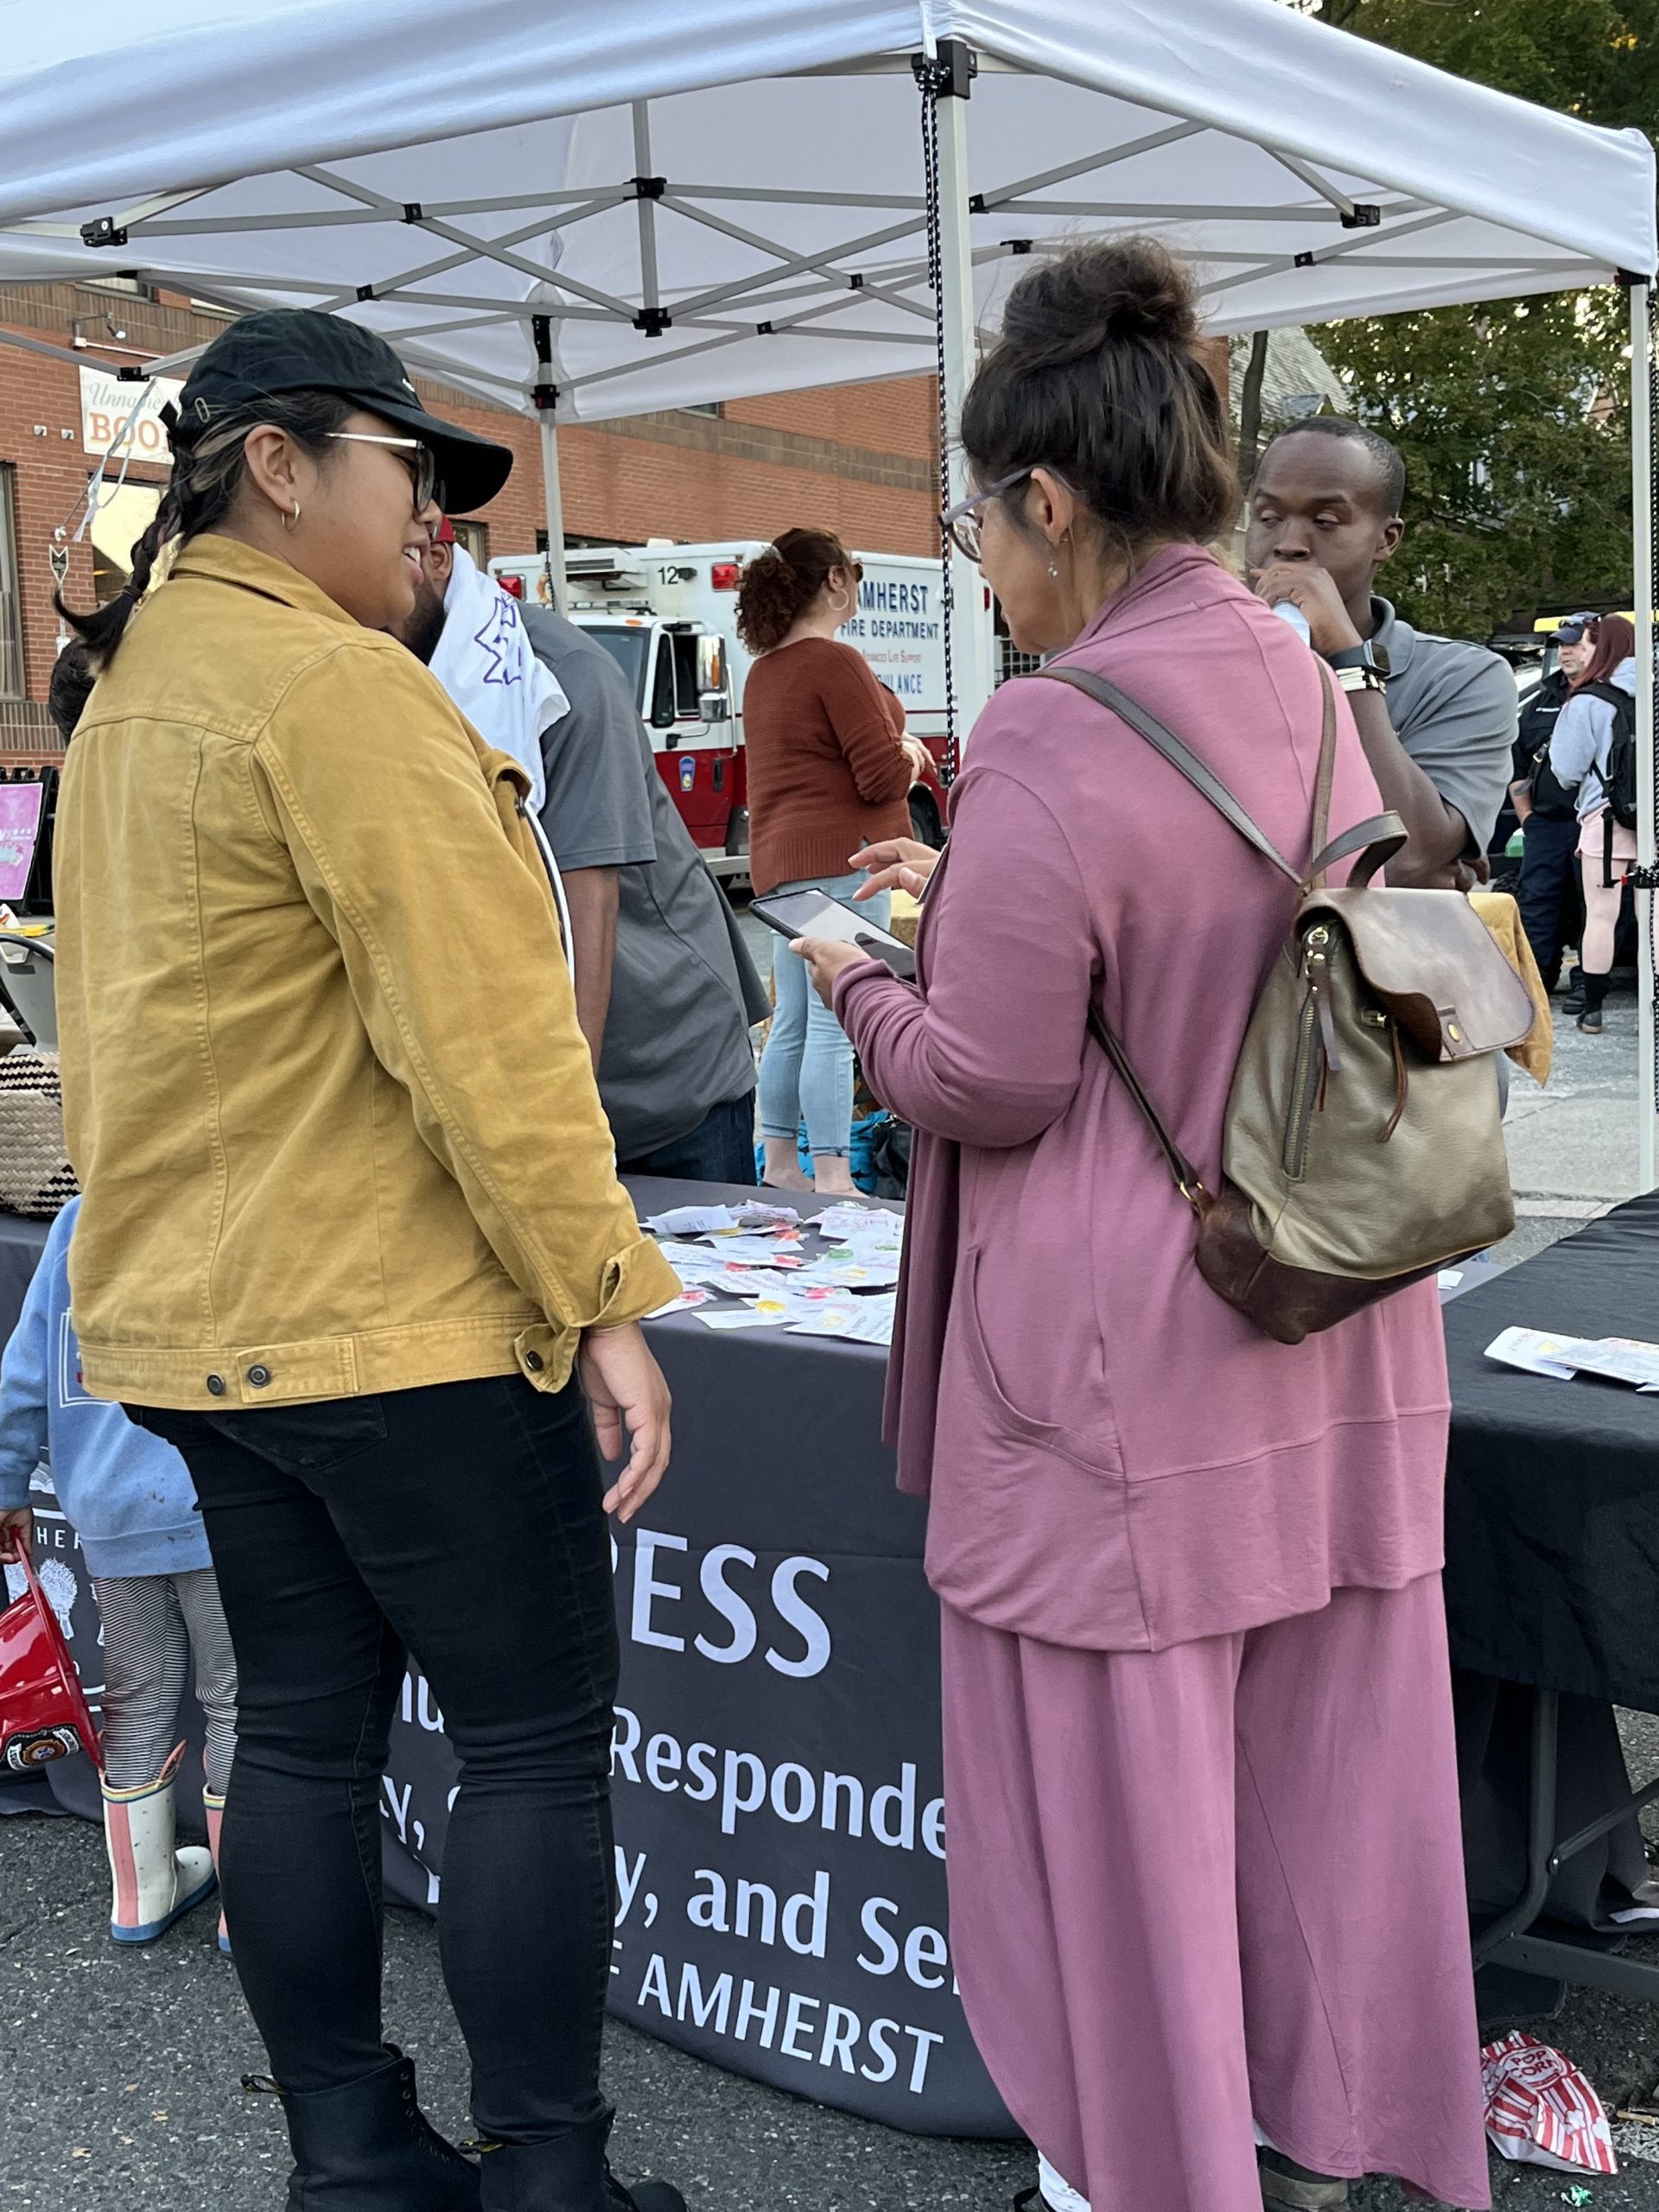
(590, 212)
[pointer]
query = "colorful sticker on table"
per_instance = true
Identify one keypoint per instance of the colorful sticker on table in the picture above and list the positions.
(20, 830)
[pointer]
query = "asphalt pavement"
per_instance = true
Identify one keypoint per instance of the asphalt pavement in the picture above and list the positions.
(119, 2069)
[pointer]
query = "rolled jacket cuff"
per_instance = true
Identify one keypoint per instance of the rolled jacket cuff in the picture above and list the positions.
(635, 1282)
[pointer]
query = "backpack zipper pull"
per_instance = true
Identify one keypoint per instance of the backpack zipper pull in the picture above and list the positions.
(1319, 984)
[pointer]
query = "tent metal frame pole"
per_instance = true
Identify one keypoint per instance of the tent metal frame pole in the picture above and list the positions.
(1642, 485)
(553, 498)
(545, 398)
(970, 636)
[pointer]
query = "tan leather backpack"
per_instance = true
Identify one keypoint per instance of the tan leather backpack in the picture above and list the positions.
(1364, 1146)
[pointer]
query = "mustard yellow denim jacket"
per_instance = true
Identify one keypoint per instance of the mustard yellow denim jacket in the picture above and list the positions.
(323, 1085)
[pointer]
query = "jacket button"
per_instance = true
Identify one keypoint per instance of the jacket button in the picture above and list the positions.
(216, 1384)
(259, 1377)
(534, 1362)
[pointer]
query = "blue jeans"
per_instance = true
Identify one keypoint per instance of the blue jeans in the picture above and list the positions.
(720, 1149)
(807, 1067)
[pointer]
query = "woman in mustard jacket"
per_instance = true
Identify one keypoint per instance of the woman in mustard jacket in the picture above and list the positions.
(352, 1241)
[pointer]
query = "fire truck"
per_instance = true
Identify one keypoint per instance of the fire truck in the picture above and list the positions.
(667, 615)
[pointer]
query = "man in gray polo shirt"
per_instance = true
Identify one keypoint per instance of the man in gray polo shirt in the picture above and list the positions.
(663, 976)
(1436, 716)
(665, 990)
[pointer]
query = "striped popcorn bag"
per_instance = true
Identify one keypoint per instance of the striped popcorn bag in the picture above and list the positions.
(1540, 2110)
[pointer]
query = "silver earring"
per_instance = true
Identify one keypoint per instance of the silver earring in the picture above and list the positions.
(289, 521)
(1054, 569)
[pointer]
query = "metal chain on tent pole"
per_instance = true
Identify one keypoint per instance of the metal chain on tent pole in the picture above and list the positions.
(932, 75)
(1653, 497)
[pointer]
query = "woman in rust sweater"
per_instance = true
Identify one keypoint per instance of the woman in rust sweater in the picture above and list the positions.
(829, 771)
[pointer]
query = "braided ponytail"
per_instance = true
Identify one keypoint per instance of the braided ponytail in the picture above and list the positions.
(207, 473)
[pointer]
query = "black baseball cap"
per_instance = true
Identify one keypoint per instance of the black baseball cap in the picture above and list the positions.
(1571, 632)
(296, 349)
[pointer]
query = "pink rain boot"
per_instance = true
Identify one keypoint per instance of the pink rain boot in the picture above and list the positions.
(155, 1882)
(213, 1807)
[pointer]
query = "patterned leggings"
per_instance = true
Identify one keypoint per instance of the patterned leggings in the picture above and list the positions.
(153, 1624)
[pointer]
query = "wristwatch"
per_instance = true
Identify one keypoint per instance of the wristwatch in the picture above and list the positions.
(1361, 679)
(1364, 667)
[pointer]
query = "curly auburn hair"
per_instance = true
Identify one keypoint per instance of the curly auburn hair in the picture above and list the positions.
(781, 583)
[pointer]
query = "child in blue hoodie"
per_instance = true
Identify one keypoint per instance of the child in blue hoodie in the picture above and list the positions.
(131, 1501)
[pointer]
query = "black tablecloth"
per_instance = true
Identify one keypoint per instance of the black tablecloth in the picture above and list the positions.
(1553, 1487)
(778, 1791)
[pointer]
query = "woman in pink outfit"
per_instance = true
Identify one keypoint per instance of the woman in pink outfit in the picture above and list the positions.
(1206, 1883)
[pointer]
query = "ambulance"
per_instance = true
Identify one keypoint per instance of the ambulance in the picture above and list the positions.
(667, 615)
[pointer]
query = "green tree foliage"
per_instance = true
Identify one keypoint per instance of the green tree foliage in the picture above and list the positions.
(1512, 416)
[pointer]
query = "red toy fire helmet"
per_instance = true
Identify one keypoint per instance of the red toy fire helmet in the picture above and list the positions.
(44, 1715)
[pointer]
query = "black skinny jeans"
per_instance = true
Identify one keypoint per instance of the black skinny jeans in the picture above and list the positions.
(460, 1522)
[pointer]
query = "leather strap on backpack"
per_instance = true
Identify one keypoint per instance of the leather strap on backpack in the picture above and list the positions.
(1376, 840)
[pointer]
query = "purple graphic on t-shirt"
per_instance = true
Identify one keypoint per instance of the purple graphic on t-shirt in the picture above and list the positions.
(502, 641)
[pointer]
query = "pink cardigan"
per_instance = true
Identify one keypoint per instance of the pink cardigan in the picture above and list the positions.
(1116, 1459)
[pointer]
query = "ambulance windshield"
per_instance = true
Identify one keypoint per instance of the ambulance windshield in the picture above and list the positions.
(628, 648)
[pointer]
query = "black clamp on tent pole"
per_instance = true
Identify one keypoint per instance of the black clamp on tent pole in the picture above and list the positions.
(949, 72)
(544, 396)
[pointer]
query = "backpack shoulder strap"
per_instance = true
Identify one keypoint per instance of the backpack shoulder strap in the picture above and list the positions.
(1378, 838)
(1181, 758)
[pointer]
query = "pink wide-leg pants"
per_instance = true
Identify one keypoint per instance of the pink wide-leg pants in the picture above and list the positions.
(1216, 1884)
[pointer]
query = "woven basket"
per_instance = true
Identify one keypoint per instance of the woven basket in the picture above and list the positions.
(35, 1177)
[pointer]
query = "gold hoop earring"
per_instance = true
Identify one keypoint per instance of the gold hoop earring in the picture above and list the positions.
(289, 521)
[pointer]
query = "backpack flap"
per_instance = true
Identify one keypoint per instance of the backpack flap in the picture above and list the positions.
(1432, 964)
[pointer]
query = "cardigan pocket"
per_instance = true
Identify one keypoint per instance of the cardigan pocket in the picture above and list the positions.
(1091, 1444)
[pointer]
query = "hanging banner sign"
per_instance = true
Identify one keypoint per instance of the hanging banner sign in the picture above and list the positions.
(105, 404)
(20, 830)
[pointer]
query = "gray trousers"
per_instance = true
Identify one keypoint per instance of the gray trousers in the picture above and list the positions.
(153, 1625)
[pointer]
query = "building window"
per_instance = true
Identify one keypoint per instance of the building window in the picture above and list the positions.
(715, 407)
(476, 537)
(11, 612)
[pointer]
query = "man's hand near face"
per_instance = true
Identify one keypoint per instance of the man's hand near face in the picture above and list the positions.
(1331, 627)
(1322, 523)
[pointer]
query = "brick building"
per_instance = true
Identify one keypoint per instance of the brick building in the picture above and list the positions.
(859, 459)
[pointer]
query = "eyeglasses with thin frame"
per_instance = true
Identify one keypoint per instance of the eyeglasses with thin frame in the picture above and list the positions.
(961, 523)
(418, 458)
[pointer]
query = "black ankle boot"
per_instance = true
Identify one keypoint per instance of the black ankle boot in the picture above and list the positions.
(569, 2174)
(367, 2146)
(1573, 1002)
(1595, 990)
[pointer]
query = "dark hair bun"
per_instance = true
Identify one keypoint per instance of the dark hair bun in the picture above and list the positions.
(1095, 375)
(1068, 309)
